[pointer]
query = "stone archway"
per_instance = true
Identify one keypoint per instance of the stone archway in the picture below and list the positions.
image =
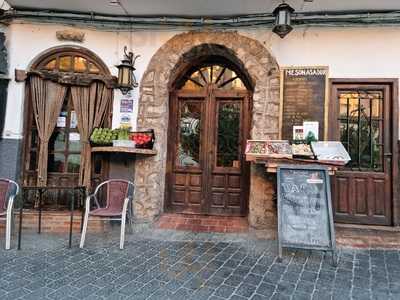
(153, 113)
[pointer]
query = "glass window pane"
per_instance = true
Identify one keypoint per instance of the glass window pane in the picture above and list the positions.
(362, 137)
(228, 144)
(80, 64)
(188, 149)
(216, 73)
(343, 105)
(93, 68)
(190, 85)
(205, 74)
(74, 142)
(236, 84)
(51, 65)
(196, 77)
(73, 162)
(57, 141)
(56, 163)
(65, 63)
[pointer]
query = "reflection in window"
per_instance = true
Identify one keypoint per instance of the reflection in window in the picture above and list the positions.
(228, 145)
(73, 163)
(65, 63)
(220, 76)
(56, 163)
(80, 64)
(360, 124)
(71, 63)
(188, 150)
(51, 65)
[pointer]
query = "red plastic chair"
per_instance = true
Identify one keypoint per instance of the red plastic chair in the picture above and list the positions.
(119, 194)
(8, 191)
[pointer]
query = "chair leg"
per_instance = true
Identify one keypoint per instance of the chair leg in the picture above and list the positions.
(8, 233)
(122, 240)
(84, 229)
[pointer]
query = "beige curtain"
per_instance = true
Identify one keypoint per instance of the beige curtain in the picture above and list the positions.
(90, 104)
(47, 101)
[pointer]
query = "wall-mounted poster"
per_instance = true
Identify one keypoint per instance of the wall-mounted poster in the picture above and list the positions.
(304, 97)
(126, 120)
(126, 106)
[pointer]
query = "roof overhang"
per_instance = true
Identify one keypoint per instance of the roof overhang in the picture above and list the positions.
(201, 7)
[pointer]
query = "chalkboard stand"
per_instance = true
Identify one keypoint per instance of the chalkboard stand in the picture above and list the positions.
(332, 247)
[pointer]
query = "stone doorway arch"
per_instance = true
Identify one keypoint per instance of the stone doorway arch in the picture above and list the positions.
(161, 72)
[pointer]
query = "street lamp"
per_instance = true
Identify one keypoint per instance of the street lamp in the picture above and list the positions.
(126, 77)
(282, 16)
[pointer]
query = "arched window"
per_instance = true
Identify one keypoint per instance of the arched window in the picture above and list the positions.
(220, 76)
(64, 151)
(71, 60)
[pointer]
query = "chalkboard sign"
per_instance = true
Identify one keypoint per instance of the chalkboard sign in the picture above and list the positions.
(303, 98)
(304, 208)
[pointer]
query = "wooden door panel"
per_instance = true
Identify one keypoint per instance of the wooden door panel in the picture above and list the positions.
(227, 159)
(215, 183)
(361, 120)
(341, 189)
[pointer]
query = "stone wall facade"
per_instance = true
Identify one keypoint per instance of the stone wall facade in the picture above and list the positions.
(263, 71)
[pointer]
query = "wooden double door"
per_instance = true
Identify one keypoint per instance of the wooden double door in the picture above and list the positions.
(363, 118)
(206, 168)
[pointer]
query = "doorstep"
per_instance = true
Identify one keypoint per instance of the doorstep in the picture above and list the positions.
(202, 223)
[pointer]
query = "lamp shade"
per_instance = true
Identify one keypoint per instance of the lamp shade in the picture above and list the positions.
(282, 14)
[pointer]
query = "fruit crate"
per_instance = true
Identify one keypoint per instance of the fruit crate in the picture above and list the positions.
(143, 139)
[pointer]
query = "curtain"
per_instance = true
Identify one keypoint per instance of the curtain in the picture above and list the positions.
(47, 101)
(90, 104)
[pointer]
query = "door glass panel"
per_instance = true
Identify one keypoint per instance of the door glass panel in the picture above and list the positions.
(360, 122)
(188, 148)
(73, 163)
(228, 143)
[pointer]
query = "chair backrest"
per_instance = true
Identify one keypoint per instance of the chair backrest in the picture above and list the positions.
(117, 190)
(8, 188)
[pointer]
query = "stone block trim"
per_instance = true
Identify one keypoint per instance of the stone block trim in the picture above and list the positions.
(153, 113)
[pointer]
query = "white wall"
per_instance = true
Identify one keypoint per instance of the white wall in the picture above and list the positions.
(349, 52)
(25, 42)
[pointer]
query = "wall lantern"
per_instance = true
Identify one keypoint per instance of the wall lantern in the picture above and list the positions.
(282, 16)
(126, 77)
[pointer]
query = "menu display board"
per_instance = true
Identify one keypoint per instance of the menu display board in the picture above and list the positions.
(303, 98)
(304, 208)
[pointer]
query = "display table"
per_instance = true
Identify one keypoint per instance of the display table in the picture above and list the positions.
(271, 164)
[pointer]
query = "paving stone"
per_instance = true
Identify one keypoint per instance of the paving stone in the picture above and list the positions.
(194, 266)
(245, 290)
(224, 291)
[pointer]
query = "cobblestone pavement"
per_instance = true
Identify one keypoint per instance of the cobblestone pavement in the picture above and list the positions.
(160, 264)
